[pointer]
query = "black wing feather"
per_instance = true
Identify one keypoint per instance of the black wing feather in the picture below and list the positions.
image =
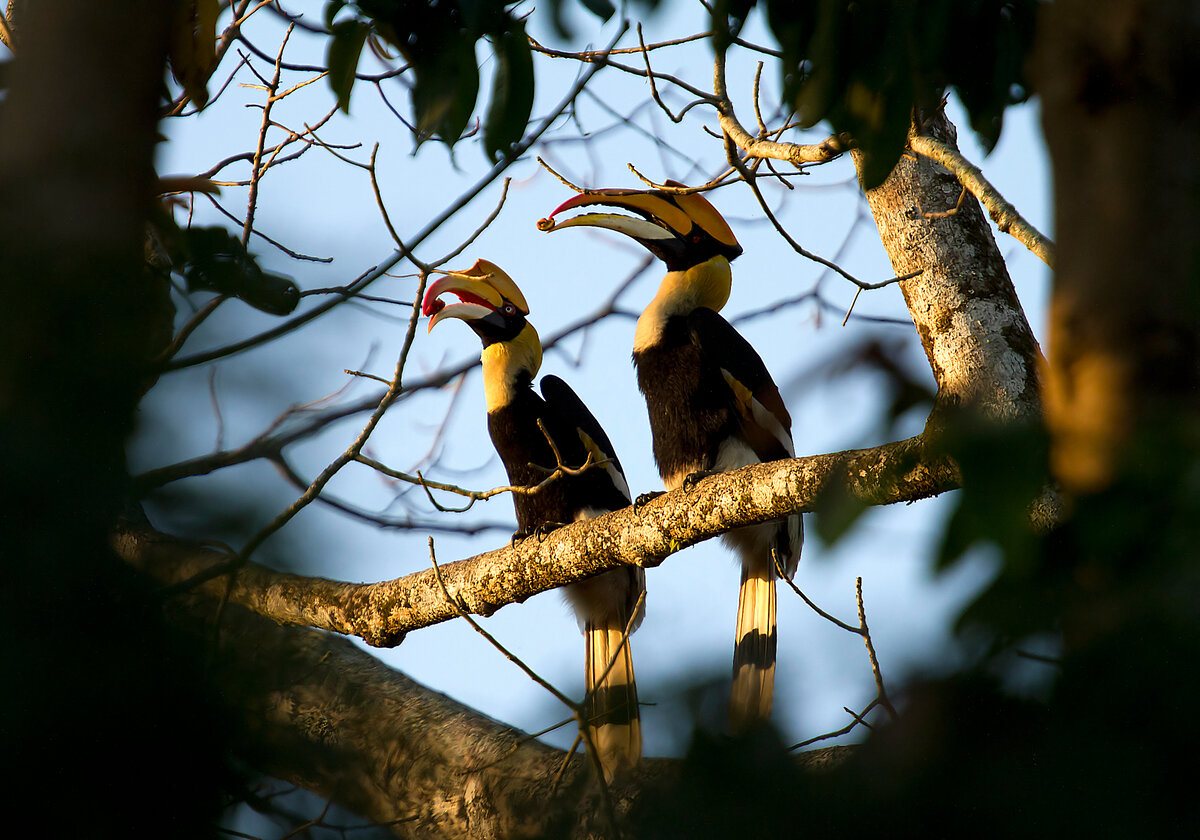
(725, 348)
(568, 416)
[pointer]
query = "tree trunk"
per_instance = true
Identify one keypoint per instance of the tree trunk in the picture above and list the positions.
(979, 345)
(92, 722)
(1122, 119)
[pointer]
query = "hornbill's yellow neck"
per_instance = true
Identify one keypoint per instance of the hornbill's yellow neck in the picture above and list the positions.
(680, 292)
(509, 366)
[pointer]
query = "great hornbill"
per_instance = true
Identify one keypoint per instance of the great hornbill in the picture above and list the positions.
(712, 404)
(522, 426)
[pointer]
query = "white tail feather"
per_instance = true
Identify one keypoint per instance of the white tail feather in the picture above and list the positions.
(612, 705)
(754, 651)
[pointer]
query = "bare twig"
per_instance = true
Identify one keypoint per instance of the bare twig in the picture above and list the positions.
(389, 523)
(675, 118)
(856, 719)
(752, 180)
(865, 632)
(603, 59)
(256, 172)
(268, 444)
(944, 214)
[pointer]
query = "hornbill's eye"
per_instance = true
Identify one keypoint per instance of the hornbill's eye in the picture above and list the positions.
(509, 309)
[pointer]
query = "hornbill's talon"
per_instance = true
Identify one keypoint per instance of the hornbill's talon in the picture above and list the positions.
(692, 479)
(646, 498)
(545, 529)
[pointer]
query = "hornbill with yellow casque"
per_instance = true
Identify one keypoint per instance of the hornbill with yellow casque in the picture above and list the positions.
(522, 425)
(712, 404)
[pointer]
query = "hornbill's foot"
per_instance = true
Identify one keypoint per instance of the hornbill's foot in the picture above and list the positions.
(645, 499)
(692, 479)
(541, 532)
(546, 529)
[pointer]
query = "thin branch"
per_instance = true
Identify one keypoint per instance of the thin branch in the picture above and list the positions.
(389, 523)
(849, 628)
(293, 254)
(268, 444)
(654, 87)
(317, 68)
(327, 474)
(856, 719)
(944, 214)
(602, 59)
(752, 180)
(794, 153)
(495, 214)
(1006, 217)
(865, 632)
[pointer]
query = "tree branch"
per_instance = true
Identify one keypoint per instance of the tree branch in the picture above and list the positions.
(978, 342)
(316, 710)
(382, 613)
(760, 147)
(1003, 214)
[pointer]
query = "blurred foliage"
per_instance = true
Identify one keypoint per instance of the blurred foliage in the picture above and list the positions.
(213, 259)
(192, 50)
(837, 510)
(1098, 754)
(1004, 470)
(863, 65)
(438, 41)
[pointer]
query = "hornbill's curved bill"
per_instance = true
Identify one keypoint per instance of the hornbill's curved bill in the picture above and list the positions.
(712, 404)
(680, 229)
(492, 305)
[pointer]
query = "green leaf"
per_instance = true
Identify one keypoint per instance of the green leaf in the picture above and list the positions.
(345, 47)
(512, 93)
(445, 91)
(863, 65)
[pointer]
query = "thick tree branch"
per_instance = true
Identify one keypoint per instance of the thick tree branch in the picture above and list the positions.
(382, 613)
(313, 709)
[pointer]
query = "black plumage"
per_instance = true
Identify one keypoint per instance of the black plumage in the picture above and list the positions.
(528, 457)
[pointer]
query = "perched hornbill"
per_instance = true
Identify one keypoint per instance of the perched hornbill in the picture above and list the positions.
(713, 406)
(493, 306)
